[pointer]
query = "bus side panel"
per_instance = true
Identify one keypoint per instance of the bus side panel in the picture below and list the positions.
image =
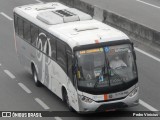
(22, 50)
(19, 49)
(42, 62)
(26, 54)
(52, 83)
(59, 78)
(29, 54)
(40, 57)
(50, 74)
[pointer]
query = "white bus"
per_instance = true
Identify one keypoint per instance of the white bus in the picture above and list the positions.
(88, 64)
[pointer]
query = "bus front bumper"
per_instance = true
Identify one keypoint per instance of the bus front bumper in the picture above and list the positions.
(129, 101)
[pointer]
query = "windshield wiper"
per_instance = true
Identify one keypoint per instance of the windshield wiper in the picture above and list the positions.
(102, 74)
(103, 70)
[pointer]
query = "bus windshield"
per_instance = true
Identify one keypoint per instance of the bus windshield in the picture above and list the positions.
(106, 66)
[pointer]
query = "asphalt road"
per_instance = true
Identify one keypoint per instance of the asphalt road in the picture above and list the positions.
(17, 89)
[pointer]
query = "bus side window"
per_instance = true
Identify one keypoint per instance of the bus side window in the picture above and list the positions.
(27, 32)
(43, 40)
(47, 51)
(53, 47)
(68, 49)
(20, 27)
(16, 23)
(69, 65)
(61, 55)
(34, 35)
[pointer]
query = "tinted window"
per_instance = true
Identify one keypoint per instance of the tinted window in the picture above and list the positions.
(61, 55)
(42, 39)
(20, 27)
(69, 65)
(47, 49)
(53, 47)
(68, 49)
(34, 35)
(27, 33)
(16, 23)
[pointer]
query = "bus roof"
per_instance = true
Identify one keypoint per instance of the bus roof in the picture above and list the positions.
(70, 25)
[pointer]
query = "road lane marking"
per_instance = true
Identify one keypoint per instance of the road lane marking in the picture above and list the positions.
(147, 54)
(39, 1)
(57, 118)
(149, 107)
(148, 4)
(42, 103)
(6, 16)
(24, 88)
(9, 74)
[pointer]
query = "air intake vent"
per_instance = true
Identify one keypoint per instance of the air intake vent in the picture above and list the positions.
(67, 16)
(64, 13)
(62, 16)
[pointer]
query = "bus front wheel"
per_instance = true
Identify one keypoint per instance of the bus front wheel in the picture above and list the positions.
(66, 100)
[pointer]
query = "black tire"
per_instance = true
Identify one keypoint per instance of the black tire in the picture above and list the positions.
(66, 100)
(35, 77)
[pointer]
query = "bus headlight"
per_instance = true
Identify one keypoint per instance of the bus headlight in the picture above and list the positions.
(134, 92)
(85, 99)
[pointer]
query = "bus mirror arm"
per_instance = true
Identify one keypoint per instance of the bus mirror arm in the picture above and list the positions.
(74, 66)
(74, 71)
(74, 81)
(134, 54)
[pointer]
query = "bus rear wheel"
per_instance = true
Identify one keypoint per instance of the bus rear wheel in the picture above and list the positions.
(35, 77)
